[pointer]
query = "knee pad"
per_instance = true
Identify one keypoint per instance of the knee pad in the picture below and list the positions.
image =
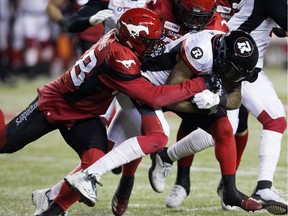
(278, 125)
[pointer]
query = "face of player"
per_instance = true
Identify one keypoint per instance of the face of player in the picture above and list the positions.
(192, 20)
(233, 73)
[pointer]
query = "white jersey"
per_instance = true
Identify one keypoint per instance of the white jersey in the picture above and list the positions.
(160, 77)
(120, 6)
(259, 30)
(196, 50)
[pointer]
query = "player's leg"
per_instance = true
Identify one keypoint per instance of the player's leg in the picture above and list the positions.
(225, 151)
(194, 142)
(124, 189)
(44, 197)
(270, 113)
(238, 120)
(241, 136)
(89, 140)
(125, 124)
(181, 188)
(153, 125)
(23, 129)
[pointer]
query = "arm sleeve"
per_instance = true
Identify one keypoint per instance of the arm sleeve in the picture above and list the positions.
(277, 10)
(79, 21)
(155, 96)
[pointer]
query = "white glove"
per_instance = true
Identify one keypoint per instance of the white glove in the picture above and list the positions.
(206, 99)
(100, 16)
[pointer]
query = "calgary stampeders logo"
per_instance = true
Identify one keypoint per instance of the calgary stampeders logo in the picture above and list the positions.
(134, 30)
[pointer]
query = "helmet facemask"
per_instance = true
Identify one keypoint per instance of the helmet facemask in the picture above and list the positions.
(154, 47)
(193, 19)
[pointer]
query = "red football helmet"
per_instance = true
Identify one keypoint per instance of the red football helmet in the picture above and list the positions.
(140, 29)
(194, 14)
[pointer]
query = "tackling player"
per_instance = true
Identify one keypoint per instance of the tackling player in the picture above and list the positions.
(232, 64)
(73, 103)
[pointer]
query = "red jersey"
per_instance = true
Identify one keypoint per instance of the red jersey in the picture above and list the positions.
(225, 9)
(172, 29)
(87, 89)
(217, 23)
(165, 11)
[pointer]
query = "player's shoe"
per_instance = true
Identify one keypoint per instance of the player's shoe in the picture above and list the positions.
(119, 206)
(233, 197)
(40, 200)
(271, 201)
(53, 209)
(176, 197)
(230, 196)
(121, 197)
(220, 194)
(158, 173)
(84, 184)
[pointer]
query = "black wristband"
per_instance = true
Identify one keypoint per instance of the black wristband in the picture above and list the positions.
(279, 32)
(223, 100)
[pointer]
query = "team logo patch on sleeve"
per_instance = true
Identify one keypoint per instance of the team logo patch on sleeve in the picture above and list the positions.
(243, 47)
(196, 53)
(127, 63)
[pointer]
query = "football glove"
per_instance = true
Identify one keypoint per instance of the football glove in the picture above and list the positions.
(206, 99)
(100, 16)
(279, 32)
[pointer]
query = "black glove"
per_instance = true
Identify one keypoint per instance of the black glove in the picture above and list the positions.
(253, 76)
(279, 32)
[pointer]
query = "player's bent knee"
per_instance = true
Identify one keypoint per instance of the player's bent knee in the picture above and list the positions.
(278, 125)
(153, 142)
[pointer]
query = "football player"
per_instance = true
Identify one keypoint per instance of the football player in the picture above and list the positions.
(204, 52)
(178, 17)
(274, 123)
(269, 110)
(73, 102)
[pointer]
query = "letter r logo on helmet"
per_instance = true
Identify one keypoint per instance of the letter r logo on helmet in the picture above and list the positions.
(243, 47)
(235, 56)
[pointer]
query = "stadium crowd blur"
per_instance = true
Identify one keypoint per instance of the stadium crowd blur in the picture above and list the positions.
(34, 45)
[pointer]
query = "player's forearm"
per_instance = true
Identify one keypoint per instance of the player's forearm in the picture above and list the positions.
(155, 96)
(184, 106)
(79, 21)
